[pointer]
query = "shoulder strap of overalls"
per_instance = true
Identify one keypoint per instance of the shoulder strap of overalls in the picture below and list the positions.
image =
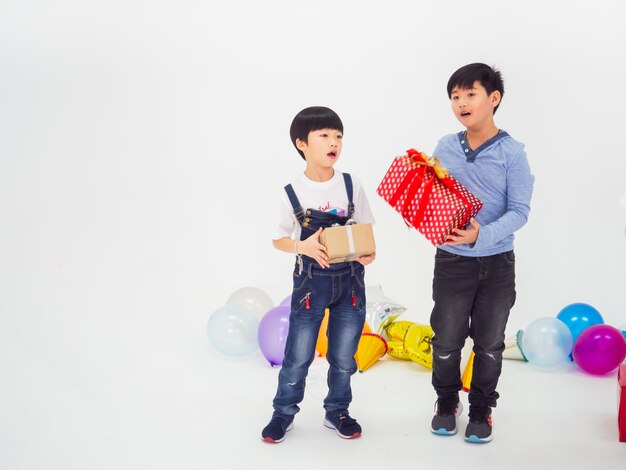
(348, 180)
(295, 203)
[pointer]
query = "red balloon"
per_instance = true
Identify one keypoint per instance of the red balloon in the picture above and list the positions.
(599, 349)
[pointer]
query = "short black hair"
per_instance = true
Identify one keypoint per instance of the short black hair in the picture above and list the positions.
(313, 119)
(489, 77)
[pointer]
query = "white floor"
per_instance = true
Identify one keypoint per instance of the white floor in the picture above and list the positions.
(183, 407)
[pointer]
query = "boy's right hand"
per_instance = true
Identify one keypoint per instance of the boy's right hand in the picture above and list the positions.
(314, 249)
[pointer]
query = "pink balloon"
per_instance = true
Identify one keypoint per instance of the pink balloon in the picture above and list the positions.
(599, 349)
(272, 334)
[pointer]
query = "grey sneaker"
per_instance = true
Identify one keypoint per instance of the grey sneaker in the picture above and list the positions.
(446, 413)
(480, 427)
(345, 426)
(275, 431)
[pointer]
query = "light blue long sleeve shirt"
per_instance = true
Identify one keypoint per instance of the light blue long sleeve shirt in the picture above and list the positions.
(498, 174)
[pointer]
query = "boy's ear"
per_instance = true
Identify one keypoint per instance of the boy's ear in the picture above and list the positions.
(495, 98)
(300, 145)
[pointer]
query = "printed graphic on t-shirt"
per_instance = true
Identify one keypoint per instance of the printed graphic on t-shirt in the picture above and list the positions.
(332, 210)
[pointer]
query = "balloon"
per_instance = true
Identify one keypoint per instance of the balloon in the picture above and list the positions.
(371, 348)
(380, 310)
(272, 336)
(253, 299)
(322, 337)
(599, 349)
(232, 330)
(411, 341)
(466, 378)
(547, 342)
(579, 317)
(286, 301)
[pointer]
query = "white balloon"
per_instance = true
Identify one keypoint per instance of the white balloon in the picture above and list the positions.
(252, 299)
(233, 330)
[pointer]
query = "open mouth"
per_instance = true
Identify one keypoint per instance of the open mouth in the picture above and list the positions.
(332, 154)
(465, 113)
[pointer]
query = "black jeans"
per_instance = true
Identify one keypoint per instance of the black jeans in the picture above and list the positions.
(473, 297)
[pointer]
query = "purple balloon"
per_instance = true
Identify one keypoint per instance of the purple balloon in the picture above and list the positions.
(272, 334)
(286, 301)
(599, 349)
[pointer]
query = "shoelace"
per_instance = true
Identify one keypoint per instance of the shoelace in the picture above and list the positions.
(346, 420)
(278, 420)
(446, 407)
(480, 416)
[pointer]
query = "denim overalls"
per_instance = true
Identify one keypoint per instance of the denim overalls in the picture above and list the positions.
(341, 288)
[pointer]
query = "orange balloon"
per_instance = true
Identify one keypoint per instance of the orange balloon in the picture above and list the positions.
(322, 338)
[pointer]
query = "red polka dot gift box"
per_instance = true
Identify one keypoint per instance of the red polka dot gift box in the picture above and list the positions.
(427, 197)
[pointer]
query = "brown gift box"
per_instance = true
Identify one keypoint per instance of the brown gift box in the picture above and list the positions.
(348, 242)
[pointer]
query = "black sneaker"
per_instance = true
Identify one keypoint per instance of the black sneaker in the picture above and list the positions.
(446, 413)
(275, 431)
(480, 426)
(345, 426)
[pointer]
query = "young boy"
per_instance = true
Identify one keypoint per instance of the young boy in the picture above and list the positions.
(319, 198)
(474, 275)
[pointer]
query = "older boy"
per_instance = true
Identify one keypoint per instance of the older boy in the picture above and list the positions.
(320, 198)
(474, 275)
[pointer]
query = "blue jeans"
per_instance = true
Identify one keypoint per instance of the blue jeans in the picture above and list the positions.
(473, 297)
(341, 288)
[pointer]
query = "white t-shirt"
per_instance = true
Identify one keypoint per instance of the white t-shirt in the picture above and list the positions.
(328, 196)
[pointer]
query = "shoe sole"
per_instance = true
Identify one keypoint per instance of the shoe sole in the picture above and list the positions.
(478, 440)
(444, 431)
(329, 425)
(277, 441)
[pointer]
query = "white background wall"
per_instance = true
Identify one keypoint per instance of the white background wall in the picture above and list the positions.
(143, 145)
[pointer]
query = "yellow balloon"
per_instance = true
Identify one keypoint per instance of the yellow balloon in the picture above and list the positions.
(467, 373)
(322, 337)
(411, 341)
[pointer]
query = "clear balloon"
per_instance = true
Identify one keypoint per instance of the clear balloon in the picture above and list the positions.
(599, 349)
(253, 299)
(380, 310)
(232, 330)
(272, 336)
(547, 342)
(578, 317)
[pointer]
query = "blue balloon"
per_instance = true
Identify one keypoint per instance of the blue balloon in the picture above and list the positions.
(232, 330)
(578, 317)
(547, 342)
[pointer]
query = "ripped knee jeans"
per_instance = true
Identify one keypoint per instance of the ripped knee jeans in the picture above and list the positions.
(341, 289)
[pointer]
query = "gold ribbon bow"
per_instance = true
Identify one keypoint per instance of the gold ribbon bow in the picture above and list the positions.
(434, 163)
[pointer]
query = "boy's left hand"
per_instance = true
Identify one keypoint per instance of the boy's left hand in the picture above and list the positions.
(461, 237)
(365, 260)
